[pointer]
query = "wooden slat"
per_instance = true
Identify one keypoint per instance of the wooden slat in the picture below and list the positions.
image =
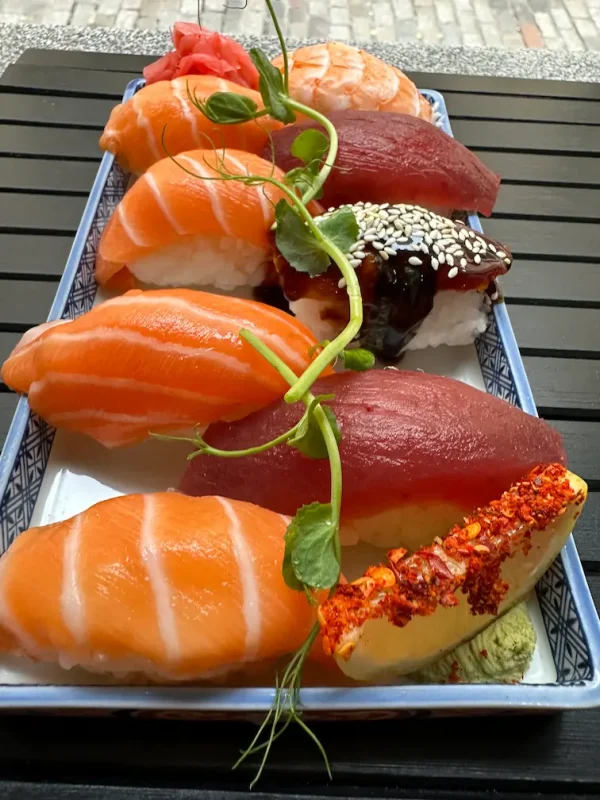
(527, 136)
(25, 303)
(539, 109)
(546, 201)
(78, 59)
(582, 443)
(8, 403)
(519, 87)
(522, 168)
(586, 532)
(552, 281)
(39, 175)
(567, 386)
(8, 341)
(63, 81)
(65, 143)
(526, 168)
(83, 112)
(22, 212)
(554, 331)
(571, 240)
(23, 254)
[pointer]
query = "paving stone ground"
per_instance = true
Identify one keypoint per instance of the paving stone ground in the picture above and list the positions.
(554, 24)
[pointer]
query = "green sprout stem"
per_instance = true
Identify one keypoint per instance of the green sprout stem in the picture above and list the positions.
(278, 31)
(329, 162)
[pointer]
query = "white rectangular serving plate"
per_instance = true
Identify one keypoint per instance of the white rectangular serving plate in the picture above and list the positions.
(48, 475)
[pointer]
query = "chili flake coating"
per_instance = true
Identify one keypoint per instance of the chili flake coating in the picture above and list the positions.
(469, 559)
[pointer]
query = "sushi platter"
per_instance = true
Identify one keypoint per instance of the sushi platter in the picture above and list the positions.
(76, 470)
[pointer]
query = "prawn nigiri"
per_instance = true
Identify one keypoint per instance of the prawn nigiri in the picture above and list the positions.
(418, 452)
(174, 228)
(134, 131)
(333, 76)
(167, 585)
(155, 361)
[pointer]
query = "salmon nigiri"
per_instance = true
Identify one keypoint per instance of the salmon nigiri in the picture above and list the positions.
(333, 76)
(171, 586)
(176, 229)
(155, 361)
(135, 129)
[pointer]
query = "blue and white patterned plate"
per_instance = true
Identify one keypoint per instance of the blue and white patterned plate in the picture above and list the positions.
(569, 616)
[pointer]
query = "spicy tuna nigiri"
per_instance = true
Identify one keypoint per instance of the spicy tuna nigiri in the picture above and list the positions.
(155, 361)
(418, 452)
(174, 228)
(168, 585)
(134, 132)
(396, 158)
(333, 76)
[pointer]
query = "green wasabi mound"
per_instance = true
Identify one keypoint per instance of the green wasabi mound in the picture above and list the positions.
(499, 654)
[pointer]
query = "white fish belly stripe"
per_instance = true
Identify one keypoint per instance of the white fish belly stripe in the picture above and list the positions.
(248, 579)
(122, 383)
(9, 621)
(71, 600)
(121, 335)
(110, 417)
(143, 123)
(133, 234)
(159, 583)
(151, 181)
(191, 117)
(220, 316)
(211, 187)
(265, 206)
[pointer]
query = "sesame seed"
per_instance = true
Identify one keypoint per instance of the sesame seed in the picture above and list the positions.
(507, 261)
(435, 263)
(370, 237)
(463, 262)
(414, 261)
(500, 253)
(370, 231)
(442, 258)
(495, 296)
(342, 283)
(399, 224)
(453, 272)
(384, 206)
(377, 245)
(353, 247)
(331, 208)
(384, 255)
(436, 249)
(355, 262)
(477, 259)
(368, 205)
(449, 260)
(389, 250)
(360, 254)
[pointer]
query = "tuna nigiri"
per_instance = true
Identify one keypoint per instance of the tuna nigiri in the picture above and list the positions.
(396, 158)
(333, 76)
(177, 229)
(418, 452)
(134, 132)
(171, 586)
(154, 361)
(403, 615)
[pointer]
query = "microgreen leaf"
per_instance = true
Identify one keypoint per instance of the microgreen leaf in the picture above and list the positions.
(310, 146)
(289, 576)
(341, 228)
(308, 437)
(303, 179)
(296, 242)
(358, 359)
(228, 108)
(270, 85)
(313, 555)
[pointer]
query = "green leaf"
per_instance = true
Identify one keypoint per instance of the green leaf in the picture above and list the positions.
(313, 556)
(341, 228)
(358, 359)
(289, 576)
(270, 86)
(309, 438)
(228, 108)
(310, 146)
(303, 179)
(296, 242)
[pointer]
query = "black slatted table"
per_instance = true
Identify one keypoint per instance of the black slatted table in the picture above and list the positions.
(544, 139)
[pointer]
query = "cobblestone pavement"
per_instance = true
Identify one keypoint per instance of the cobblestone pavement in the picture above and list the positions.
(554, 24)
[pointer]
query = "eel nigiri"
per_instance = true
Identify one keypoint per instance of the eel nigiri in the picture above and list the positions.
(176, 229)
(155, 361)
(171, 586)
(425, 280)
(396, 158)
(409, 612)
(134, 131)
(333, 76)
(418, 452)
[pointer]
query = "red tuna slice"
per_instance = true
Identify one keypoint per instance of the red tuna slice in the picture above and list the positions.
(397, 158)
(418, 452)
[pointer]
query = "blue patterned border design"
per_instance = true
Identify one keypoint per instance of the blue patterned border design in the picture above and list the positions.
(566, 605)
